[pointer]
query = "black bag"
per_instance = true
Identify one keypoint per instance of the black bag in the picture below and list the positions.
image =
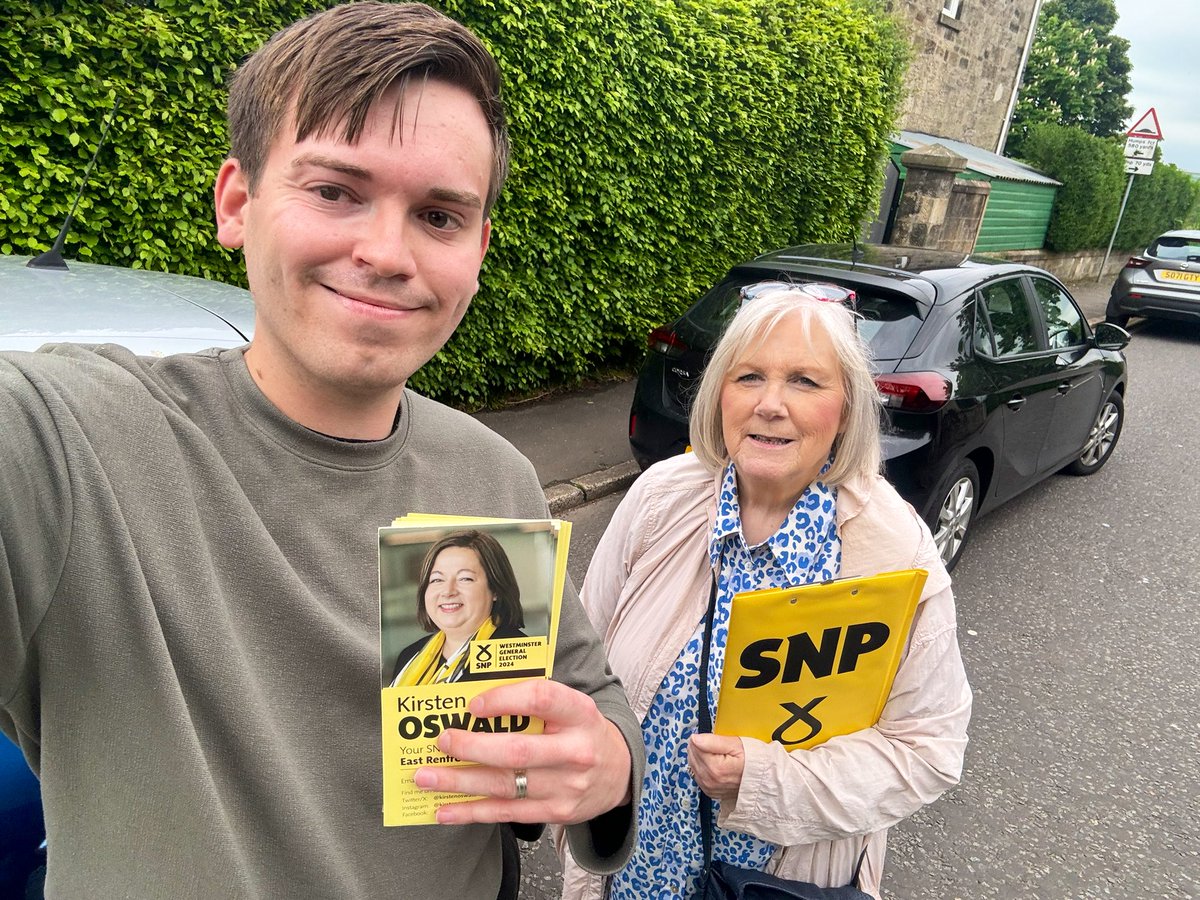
(723, 881)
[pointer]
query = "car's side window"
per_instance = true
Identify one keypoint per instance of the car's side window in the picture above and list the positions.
(1008, 311)
(981, 332)
(1064, 323)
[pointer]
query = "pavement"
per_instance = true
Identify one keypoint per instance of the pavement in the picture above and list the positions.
(578, 441)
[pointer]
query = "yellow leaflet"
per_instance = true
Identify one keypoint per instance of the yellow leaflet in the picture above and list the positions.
(414, 715)
(803, 665)
(464, 521)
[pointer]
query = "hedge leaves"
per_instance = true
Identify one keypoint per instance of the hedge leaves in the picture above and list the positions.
(656, 142)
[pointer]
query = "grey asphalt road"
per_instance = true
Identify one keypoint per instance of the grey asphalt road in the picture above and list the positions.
(569, 435)
(1079, 623)
(587, 524)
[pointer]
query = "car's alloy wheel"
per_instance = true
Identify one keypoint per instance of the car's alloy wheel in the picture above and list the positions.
(1102, 439)
(959, 495)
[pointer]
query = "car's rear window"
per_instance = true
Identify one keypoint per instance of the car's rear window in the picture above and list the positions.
(888, 322)
(1180, 248)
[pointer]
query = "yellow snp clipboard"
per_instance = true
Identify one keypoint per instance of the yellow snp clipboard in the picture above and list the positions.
(805, 664)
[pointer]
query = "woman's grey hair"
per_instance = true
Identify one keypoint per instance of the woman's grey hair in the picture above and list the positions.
(857, 449)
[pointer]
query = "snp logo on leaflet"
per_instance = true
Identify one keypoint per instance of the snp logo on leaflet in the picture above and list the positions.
(509, 657)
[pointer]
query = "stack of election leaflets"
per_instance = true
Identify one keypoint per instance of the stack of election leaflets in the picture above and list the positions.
(805, 664)
(465, 605)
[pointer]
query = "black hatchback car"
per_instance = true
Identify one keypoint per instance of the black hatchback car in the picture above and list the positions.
(992, 377)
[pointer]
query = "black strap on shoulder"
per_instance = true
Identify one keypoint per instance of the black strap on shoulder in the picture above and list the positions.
(706, 813)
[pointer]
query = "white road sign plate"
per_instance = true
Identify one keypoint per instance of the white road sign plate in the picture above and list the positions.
(1138, 166)
(1140, 147)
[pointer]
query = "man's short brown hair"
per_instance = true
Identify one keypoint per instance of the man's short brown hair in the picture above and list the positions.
(326, 71)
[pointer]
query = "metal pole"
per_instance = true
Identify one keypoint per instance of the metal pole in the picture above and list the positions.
(1116, 227)
(1012, 100)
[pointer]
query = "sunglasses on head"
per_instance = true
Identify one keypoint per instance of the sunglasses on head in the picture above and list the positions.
(831, 293)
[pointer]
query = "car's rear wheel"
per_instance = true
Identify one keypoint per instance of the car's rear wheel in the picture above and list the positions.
(953, 515)
(1102, 439)
(1121, 320)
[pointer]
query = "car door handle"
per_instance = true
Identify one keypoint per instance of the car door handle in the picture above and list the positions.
(1016, 402)
(1065, 387)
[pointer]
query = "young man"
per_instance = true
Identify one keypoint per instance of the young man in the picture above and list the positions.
(188, 606)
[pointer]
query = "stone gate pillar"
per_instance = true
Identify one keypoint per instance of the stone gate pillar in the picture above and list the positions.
(926, 199)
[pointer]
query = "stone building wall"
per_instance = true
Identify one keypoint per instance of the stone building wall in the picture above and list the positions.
(961, 75)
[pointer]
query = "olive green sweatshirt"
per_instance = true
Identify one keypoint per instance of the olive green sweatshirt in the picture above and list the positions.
(189, 630)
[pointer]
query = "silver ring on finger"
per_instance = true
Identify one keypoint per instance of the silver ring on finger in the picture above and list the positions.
(522, 783)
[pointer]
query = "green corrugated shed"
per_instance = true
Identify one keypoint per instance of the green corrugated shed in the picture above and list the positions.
(1021, 198)
(1016, 217)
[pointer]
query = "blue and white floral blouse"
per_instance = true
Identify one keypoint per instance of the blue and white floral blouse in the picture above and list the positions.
(668, 858)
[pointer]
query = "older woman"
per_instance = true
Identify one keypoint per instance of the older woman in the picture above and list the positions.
(467, 592)
(785, 429)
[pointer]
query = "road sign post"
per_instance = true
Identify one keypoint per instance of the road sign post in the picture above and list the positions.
(1140, 143)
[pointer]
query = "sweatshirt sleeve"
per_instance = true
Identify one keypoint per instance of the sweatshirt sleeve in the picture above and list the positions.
(867, 781)
(607, 571)
(604, 844)
(35, 530)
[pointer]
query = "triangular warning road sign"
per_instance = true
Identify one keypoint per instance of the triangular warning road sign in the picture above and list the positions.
(1147, 127)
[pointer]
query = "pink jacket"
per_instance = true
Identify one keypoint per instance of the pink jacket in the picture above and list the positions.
(647, 587)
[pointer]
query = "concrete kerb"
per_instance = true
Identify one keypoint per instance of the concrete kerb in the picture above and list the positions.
(567, 495)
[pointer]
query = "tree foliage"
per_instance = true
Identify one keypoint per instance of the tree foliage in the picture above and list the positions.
(1090, 169)
(1092, 172)
(1077, 73)
(64, 67)
(1192, 218)
(656, 142)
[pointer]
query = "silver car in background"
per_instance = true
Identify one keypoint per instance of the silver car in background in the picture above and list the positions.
(151, 313)
(1161, 283)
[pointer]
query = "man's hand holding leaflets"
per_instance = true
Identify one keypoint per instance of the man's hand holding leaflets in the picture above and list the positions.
(473, 729)
(576, 769)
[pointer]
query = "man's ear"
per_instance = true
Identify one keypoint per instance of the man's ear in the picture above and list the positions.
(231, 194)
(486, 239)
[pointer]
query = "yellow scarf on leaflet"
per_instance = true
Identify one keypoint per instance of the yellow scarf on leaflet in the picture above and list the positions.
(427, 666)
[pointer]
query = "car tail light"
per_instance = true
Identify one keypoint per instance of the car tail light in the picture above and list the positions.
(667, 342)
(913, 391)
(1136, 262)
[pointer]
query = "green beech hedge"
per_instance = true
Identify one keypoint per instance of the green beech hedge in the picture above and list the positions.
(149, 203)
(656, 142)
(1092, 172)
(1157, 202)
